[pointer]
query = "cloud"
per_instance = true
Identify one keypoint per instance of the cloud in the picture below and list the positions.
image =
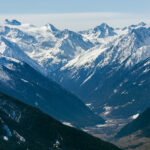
(80, 21)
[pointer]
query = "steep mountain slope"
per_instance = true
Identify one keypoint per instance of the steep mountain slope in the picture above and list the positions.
(137, 132)
(129, 97)
(141, 123)
(24, 83)
(11, 49)
(26, 128)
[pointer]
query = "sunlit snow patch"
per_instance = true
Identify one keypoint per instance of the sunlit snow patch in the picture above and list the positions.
(88, 104)
(101, 125)
(5, 138)
(107, 110)
(135, 116)
(68, 124)
(24, 80)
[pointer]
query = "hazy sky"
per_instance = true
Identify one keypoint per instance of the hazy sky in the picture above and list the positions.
(76, 14)
(69, 6)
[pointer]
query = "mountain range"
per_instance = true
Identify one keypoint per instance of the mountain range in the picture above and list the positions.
(107, 75)
(108, 69)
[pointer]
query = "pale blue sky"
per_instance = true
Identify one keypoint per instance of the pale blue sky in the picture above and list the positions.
(70, 6)
(76, 14)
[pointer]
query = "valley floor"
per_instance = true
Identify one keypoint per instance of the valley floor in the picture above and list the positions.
(133, 142)
(112, 126)
(108, 130)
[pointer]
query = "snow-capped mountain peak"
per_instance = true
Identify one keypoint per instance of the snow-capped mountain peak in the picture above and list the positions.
(104, 30)
(135, 26)
(12, 22)
(52, 28)
(102, 27)
(99, 34)
(142, 24)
